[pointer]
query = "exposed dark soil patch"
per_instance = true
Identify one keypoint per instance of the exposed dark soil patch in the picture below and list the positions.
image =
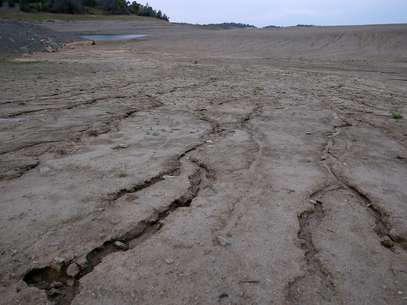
(23, 37)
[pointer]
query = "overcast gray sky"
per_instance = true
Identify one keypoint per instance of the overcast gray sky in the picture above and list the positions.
(285, 12)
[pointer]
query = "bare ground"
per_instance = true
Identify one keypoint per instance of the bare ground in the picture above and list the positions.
(206, 167)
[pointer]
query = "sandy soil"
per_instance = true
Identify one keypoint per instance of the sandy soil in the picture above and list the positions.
(206, 167)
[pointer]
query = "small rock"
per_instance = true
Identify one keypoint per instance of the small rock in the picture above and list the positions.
(121, 245)
(169, 261)
(73, 270)
(59, 260)
(223, 296)
(44, 170)
(82, 262)
(54, 292)
(57, 264)
(120, 146)
(56, 285)
(388, 243)
(223, 241)
(394, 235)
(209, 141)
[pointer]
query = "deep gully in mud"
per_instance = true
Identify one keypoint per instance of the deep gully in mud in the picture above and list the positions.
(62, 286)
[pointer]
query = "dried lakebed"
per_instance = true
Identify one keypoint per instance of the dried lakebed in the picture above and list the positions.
(114, 37)
(206, 167)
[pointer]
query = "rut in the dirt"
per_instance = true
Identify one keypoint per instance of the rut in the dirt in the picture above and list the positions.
(145, 184)
(109, 125)
(383, 227)
(61, 287)
(316, 276)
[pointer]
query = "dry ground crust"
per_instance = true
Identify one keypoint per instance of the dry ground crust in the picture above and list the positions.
(206, 167)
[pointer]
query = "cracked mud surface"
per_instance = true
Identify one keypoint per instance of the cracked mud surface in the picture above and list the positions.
(206, 167)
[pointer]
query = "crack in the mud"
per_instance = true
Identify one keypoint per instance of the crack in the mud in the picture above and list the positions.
(4, 152)
(315, 274)
(62, 287)
(20, 171)
(245, 124)
(145, 184)
(109, 126)
(174, 171)
(383, 227)
(210, 172)
(68, 107)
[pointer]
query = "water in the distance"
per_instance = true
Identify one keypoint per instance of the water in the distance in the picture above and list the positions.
(113, 37)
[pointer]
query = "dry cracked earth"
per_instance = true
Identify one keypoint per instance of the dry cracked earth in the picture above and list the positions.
(206, 167)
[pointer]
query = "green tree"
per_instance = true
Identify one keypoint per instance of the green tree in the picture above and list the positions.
(134, 8)
(66, 6)
(25, 5)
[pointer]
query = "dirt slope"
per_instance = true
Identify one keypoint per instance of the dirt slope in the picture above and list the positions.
(23, 37)
(206, 167)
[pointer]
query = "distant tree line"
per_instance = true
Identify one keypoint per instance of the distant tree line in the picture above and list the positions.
(86, 6)
(228, 25)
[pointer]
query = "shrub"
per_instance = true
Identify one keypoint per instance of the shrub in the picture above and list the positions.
(66, 6)
(25, 5)
(396, 115)
(11, 3)
(114, 6)
(134, 8)
(90, 3)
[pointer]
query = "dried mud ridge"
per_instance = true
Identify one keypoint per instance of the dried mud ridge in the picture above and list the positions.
(61, 288)
(109, 125)
(383, 227)
(316, 274)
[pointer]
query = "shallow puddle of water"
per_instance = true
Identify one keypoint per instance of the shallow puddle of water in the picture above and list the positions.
(113, 37)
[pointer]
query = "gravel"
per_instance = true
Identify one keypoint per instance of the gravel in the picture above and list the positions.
(23, 37)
